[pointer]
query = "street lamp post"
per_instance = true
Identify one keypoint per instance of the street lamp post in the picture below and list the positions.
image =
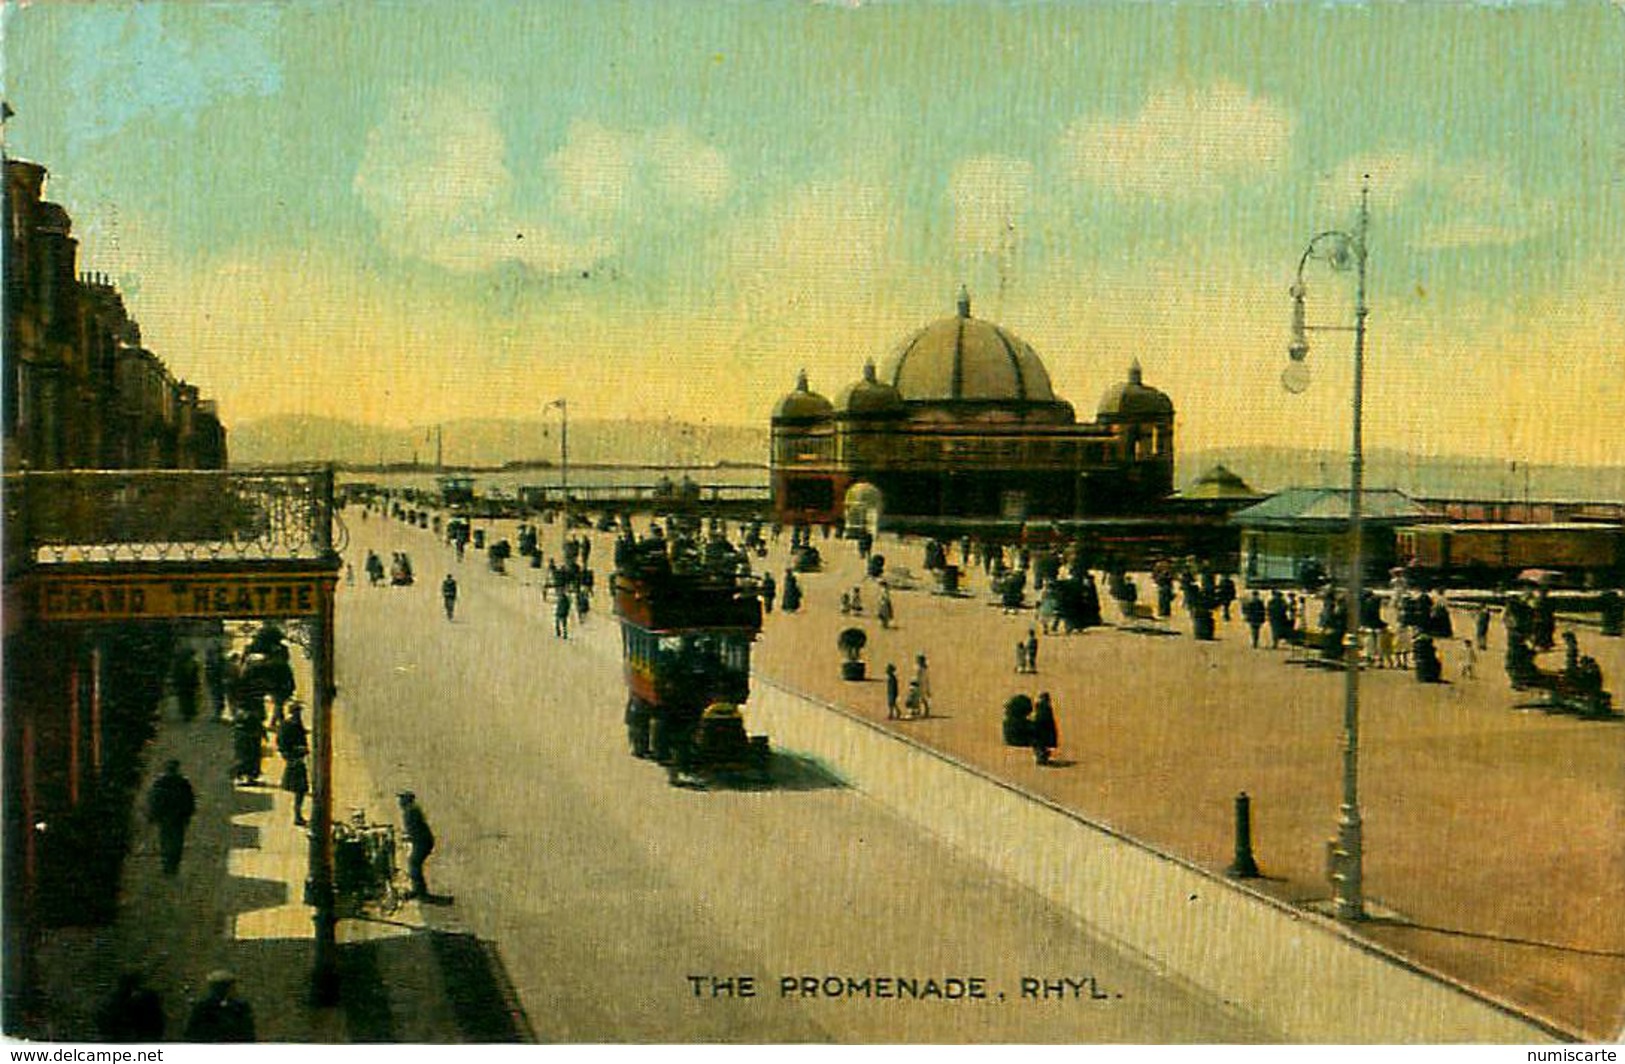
(1344, 250)
(564, 460)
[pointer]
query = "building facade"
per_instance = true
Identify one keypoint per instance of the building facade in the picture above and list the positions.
(80, 391)
(962, 424)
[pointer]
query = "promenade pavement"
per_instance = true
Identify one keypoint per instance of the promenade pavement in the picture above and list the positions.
(237, 903)
(1495, 831)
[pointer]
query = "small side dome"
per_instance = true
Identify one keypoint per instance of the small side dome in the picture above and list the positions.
(869, 397)
(1134, 399)
(803, 404)
(1220, 483)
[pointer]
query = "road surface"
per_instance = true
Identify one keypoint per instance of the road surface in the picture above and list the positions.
(626, 910)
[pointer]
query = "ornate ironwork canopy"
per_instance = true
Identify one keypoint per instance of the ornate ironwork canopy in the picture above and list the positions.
(103, 516)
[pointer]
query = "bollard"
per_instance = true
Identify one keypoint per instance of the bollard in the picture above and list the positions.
(1243, 867)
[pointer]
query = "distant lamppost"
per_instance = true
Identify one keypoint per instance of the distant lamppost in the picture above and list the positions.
(564, 458)
(1343, 250)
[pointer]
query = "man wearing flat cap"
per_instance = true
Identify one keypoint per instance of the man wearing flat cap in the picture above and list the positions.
(220, 1015)
(421, 840)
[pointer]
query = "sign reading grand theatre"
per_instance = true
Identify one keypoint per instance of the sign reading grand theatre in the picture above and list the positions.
(103, 597)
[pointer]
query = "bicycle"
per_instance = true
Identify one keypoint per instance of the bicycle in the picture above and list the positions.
(364, 868)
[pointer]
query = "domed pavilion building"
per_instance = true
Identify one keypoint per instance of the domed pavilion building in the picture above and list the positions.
(962, 423)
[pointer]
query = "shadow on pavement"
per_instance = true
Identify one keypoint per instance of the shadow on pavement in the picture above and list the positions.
(785, 772)
(480, 1004)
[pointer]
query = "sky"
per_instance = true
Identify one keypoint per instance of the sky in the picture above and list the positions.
(406, 212)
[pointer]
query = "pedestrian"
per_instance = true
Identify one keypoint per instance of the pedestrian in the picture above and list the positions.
(1252, 611)
(1021, 655)
(248, 738)
(1439, 622)
(1481, 625)
(883, 608)
(1046, 736)
(1032, 651)
(220, 1015)
(448, 594)
(891, 692)
(420, 840)
(170, 805)
(768, 591)
(214, 678)
(134, 1012)
(1280, 618)
(293, 743)
(790, 601)
(1469, 659)
(561, 614)
(583, 603)
(920, 687)
(183, 676)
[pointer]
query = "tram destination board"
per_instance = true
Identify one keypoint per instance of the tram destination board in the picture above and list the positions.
(125, 597)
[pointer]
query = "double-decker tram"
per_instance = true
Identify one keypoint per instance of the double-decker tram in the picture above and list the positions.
(688, 619)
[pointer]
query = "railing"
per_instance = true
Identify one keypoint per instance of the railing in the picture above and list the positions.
(588, 494)
(54, 518)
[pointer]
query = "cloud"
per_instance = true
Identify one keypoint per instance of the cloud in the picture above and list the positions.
(687, 168)
(603, 174)
(1184, 143)
(435, 175)
(593, 171)
(1442, 205)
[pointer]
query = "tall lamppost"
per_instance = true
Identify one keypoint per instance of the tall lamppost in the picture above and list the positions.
(1343, 250)
(564, 459)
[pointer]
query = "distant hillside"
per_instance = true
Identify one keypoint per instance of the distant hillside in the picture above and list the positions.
(1273, 468)
(492, 442)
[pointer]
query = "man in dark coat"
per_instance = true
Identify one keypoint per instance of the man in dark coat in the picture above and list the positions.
(448, 594)
(1280, 619)
(248, 736)
(769, 589)
(419, 838)
(1046, 736)
(1227, 595)
(1252, 611)
(220, 1015)
(561, 613)
(791, 598)
(170, 805)
(135, 1012)
(293, 743)
(183, 676)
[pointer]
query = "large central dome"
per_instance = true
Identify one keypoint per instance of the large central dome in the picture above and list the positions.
(965, 359)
